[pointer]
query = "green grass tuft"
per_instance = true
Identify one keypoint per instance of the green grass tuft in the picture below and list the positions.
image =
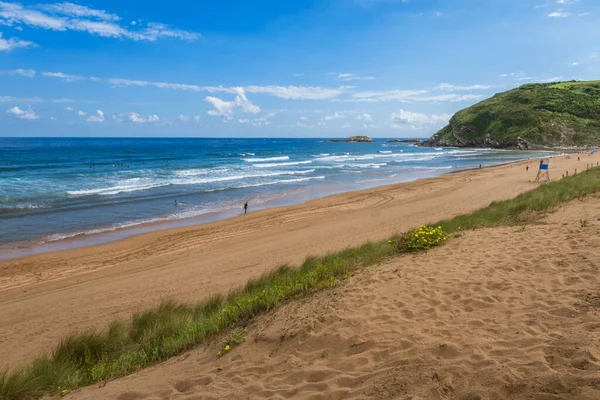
(171, 328)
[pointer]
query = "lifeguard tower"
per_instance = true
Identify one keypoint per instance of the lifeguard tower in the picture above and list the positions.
(543, 174)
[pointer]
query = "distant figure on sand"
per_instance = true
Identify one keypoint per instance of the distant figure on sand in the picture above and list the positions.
(245, 207)
(527, 168)
(175, 202)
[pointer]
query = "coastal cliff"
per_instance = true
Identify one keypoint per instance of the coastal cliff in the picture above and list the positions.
(530, 117)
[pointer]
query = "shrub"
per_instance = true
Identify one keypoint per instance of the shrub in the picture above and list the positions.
(422, 238)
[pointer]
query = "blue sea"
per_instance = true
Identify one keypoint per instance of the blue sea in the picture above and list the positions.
(59, 193)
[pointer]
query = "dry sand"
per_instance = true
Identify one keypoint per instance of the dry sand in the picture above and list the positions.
(44, 297)
(495, 314)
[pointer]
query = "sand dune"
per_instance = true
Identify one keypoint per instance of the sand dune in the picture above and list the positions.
(499, 313)
(44, 297)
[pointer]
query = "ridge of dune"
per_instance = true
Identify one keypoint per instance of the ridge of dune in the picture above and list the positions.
(498, 313)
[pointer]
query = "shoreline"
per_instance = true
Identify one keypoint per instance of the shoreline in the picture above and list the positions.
(44, 297)
(78, 240)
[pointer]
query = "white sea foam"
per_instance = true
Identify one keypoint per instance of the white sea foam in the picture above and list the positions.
(285, 164)
(254, 160)
(201, 171)
(384, 152)
(368, 165)
(186, 180)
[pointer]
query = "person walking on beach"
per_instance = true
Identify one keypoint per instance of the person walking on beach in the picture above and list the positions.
(245, 207)
(527, 168)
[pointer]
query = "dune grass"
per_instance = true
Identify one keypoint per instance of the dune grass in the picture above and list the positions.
(171, 328)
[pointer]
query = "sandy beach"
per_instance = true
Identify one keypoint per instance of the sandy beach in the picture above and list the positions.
(495, 314)
(46, 296)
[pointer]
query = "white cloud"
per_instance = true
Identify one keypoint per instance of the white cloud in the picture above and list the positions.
(66, 77)
(303, 118)
(298, 92)
(354, 77)
(244, 121)
(183, 118)
(333, 117)
(264, 120)
(99, 117)
(364, 117)
(52, 118)
(81, 113)
(23, 114)
(387, 95)
(559, 14)
(413, 120)
(196, 118)
(75, 10)
(347, 125)
(69, 16)
(408, 96)
(29, 73)
(69, 108)
(450, 97)
(13, 43)
(451, 88)
(574, 63)
(160, 85)
(225, 109)
(138, 119)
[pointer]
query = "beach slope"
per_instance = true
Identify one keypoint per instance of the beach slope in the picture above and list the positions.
(498, 313)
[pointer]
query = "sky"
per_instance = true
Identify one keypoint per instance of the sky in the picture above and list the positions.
(262, 68)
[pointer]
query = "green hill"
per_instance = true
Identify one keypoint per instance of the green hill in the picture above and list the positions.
(533, 116)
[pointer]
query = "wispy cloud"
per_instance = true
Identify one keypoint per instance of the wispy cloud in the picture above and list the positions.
(138, 119)
(226, 109)
(409, 96)
(66, 77)
(354, 77)
(22, 114)
(413, 120)
(559, 14)
(298, 92)
(99, 117)
(453, 88)
(69, 16)
(9, 44)
(29, 73)
(334, 116)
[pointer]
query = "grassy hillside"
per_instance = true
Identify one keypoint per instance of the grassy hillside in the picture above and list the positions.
(532, 116)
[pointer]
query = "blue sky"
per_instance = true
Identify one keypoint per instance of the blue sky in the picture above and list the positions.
(297, 68)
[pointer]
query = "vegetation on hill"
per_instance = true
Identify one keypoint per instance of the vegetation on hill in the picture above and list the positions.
(169, 329)
(533, 116)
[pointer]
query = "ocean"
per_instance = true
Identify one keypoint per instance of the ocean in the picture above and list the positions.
(58, 193)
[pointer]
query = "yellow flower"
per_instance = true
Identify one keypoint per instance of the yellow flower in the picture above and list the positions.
(227, 348)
